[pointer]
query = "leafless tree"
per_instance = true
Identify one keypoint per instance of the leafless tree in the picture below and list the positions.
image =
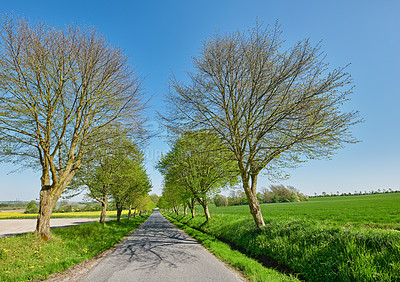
(272, 107)
(58, 88)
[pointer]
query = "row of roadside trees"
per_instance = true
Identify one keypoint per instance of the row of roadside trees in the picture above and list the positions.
(115, 168)
(71, 107)
(197, 166)
(267, 108)
(249, 106)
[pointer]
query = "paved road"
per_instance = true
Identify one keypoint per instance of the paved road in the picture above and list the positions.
(158, 251)
(9, 227)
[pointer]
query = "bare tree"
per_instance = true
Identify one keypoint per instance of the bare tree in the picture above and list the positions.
(272, 107)
(58, 87)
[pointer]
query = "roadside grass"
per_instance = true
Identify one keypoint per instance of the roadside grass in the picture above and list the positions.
(250, 268)
(80, 214)
(325, 239)
(26, 257)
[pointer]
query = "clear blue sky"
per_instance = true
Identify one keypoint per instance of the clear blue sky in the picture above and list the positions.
(161, 36)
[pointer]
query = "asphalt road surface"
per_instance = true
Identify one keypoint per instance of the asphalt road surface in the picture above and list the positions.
(158, 251)
(9, 227)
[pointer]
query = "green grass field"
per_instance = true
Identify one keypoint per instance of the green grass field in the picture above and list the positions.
(379, 210)
(352, 238)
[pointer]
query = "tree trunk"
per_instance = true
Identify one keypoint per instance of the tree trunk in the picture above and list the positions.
(203, 203)
(119, 211)
(192, 201)
(103, 210)
(45, 210)
(185, 210)
(134, 213)
(49, 195)
(206, 212)
(130, 211)
(251, 194)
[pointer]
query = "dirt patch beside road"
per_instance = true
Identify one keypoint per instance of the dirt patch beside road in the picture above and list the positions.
(20, 210)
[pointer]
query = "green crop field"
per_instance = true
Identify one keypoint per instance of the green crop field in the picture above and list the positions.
(350, 238)
(379, 210)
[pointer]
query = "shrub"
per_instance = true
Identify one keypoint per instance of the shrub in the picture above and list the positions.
(282, 194)
(221, 201)
(32, 207)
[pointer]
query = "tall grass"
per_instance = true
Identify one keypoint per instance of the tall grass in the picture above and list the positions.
(26, 257)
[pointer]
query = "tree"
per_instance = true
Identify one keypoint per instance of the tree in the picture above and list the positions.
(177, 193)
(141, 203)
(163, 203)
(101, 164)
(58, 87)
(171, 197)
(154, 198)
(221, 201)
(200, 164)
(273, 108)
(130, 182)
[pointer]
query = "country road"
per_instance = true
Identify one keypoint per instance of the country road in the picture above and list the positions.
(158, 251)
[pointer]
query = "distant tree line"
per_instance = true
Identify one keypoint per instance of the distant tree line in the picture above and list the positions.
(356, 193)
(275, 194)
(12, 205)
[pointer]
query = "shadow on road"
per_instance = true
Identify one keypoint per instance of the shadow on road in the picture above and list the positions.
(154, 243)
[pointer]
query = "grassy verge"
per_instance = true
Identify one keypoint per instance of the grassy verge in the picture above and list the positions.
(250, 268)
(317, 250)
(26, 257)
